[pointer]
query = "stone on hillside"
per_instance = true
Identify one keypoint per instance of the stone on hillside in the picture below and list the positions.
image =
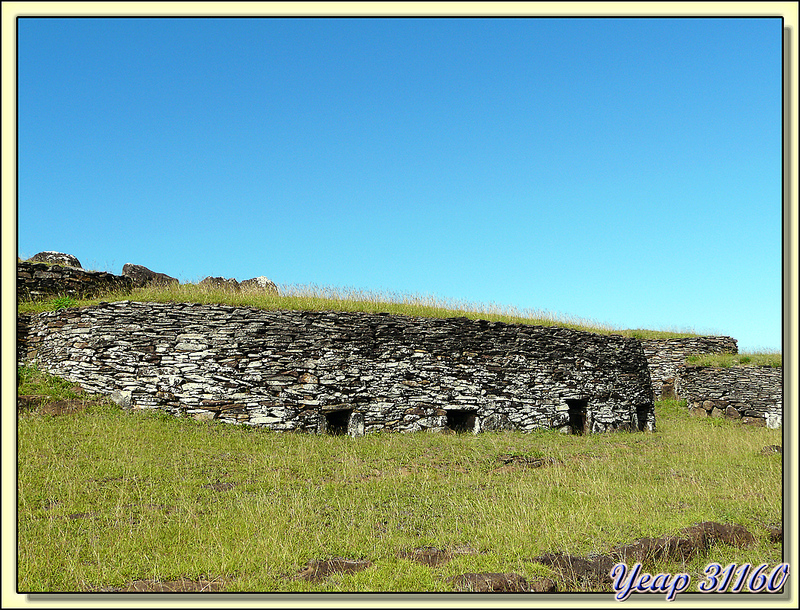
(142, 276)
(56, 258)
(259, 283)
(494, 582)
(220, 282)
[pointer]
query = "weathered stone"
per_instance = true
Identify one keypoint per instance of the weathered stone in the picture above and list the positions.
(39, 280)
(259, 283)
(665, 549)
(573, 569)
(666, 356)
(770, 449)
(732, 413)
(711, 532)
(173, 356)
(490, 582)
(122, 398)
(220, 282)
(753, 392)
(142, 276)
(56, 258)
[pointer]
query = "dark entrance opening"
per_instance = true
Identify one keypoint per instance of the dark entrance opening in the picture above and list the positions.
(577, 415)
(641, 417)
(461, 420)
(336, 421)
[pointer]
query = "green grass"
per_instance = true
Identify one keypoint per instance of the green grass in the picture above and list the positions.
(138, 484)
(327, 298)
(31, 381)
(773, 359)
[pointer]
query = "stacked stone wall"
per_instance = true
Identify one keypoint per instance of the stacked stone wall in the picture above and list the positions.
(753, 394)
(666, 356)
(363, 372)
(39, 280)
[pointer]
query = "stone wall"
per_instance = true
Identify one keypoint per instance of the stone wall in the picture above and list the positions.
(39, 280)
(753, 394)
(666, 356)
(337, 372)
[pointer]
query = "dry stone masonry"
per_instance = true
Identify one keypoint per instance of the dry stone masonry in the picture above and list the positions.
(37, 280)
(340, 372)
(666, 356)
(752, 394)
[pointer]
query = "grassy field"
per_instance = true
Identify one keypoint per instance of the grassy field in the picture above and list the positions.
(107, 496)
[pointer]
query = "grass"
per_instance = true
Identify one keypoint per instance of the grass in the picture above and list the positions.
(771, 359)
(327, 298)
(107, 496)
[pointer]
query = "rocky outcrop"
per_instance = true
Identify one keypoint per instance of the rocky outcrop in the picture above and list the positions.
(142, 276)
(56, 258)
(345, 372)
(751, 394)
(220, 282)
(39, 280)
(259, 284)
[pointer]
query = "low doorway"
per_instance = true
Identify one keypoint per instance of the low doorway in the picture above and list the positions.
(336, 422)
(462, 420)
(578, 420)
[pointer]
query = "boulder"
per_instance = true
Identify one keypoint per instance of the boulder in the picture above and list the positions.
(56, 258)
(259, 283)
(220, 282)
(142, 276)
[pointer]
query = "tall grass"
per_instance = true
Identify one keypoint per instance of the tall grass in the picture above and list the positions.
(310, 297)
(771, 359)
(109, 496)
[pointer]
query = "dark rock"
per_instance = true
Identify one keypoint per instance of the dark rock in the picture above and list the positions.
(579, 569)
(543, 585)
(490, 582)
(667, 548)
(732, 413)
(770, 449)
(260, 283)
(56, 258)
(713, 532)
(142, 276)
(316, 570)
(220, 282)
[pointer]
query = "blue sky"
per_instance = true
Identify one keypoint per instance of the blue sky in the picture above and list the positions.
(626, 171)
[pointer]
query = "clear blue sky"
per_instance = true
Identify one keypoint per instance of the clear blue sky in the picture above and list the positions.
(626, 171)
